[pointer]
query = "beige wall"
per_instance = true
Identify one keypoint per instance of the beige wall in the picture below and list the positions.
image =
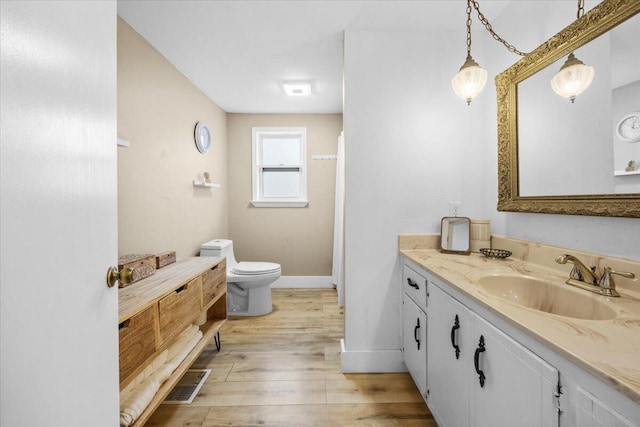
(158, 107)
(300, 239)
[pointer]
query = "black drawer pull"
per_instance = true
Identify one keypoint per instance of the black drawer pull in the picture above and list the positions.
(181, 288)
(456, 326)
(214, 267)
(415, 332)
(476, 360)
(412, 283)
(124, 324)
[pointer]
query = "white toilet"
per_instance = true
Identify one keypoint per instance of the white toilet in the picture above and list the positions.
(248, 283)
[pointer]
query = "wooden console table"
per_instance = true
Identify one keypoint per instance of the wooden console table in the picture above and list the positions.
(155, 310)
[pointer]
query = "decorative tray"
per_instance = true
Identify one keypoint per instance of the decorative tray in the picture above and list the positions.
(495, 253)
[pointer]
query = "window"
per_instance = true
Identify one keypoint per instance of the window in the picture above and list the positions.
(279, 158)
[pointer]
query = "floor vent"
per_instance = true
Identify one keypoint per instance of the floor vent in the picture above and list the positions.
(188, 387)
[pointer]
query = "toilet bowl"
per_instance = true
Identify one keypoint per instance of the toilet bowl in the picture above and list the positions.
(248, 283)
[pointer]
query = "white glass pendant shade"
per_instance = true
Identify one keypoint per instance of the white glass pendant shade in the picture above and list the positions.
(572, 79)
(469, 81)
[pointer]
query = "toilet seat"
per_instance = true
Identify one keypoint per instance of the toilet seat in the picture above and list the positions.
(255, 268)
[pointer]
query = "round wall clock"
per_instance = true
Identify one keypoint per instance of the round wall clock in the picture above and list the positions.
(202, 137)
(628, 129)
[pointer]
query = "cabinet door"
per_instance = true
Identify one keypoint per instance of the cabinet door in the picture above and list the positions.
(592, 412)
(415, 342)
(517, 387)
(449, 370)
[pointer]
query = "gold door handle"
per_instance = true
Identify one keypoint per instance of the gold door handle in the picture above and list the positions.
(126, 276)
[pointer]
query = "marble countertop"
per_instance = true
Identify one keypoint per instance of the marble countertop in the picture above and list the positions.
(608, 349)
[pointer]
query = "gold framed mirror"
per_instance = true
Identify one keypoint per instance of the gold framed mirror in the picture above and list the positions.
(516, 194)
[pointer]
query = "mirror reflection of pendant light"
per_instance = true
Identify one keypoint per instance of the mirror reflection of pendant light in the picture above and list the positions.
(574, 77)
(471, 78)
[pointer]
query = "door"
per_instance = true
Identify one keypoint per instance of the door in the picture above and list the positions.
(592, 412)
(517, 387)
(415, 343)
(450, 371)
(58, 217)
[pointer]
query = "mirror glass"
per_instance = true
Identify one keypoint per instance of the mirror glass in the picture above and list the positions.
(569, 148)
(454, 234)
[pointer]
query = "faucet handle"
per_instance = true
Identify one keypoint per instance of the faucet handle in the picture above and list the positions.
(576, 273)
(607, 282)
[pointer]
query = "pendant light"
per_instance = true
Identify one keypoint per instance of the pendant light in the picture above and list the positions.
(471, 78)
(574, 77)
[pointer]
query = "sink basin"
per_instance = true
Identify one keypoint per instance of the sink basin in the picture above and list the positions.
(544, 296)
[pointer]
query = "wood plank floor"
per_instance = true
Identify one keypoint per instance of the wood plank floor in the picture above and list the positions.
(283, 369)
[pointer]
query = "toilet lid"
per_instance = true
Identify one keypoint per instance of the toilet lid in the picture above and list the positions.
(249, 268)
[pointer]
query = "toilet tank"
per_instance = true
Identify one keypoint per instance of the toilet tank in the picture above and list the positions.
(219, 248)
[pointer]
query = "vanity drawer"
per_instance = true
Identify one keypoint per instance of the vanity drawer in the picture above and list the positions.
(214, 283)
(179, 309)
(137, 340)
(414, 285)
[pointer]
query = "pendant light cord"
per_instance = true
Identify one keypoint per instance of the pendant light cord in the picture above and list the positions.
(580, 9)
(468, 29)
(489, 28)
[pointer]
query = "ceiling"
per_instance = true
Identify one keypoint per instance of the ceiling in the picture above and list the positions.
(239, 52)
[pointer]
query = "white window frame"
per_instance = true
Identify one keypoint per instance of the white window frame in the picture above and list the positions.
(258, 199)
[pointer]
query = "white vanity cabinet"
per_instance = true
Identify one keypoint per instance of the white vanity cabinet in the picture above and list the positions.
(414, 329)
(480, 377)
(539, 369)
(470, 373)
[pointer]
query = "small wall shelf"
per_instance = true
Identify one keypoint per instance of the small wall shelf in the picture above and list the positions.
(205, 184)
(625, 173)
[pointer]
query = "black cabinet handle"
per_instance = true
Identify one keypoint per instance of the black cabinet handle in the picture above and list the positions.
(412, 283)
(415, 332)
(456, 326)
(476, 360)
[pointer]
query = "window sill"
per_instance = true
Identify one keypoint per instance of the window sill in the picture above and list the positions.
(280, 204)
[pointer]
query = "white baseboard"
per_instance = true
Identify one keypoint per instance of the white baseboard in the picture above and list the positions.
(371, 361)
(303, 282)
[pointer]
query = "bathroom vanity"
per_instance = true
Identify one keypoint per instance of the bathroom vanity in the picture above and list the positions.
(154, 311)
(481, 359)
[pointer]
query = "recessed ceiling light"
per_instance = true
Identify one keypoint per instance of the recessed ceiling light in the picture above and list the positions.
(297, 88)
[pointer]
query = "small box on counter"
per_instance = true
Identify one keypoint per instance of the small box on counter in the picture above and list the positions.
(165, 258)
(145, 264)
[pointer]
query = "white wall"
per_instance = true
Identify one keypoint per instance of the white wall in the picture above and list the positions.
(408, 140)
(612, 236)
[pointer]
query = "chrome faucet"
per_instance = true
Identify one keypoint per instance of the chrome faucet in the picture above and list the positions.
(584, 278)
